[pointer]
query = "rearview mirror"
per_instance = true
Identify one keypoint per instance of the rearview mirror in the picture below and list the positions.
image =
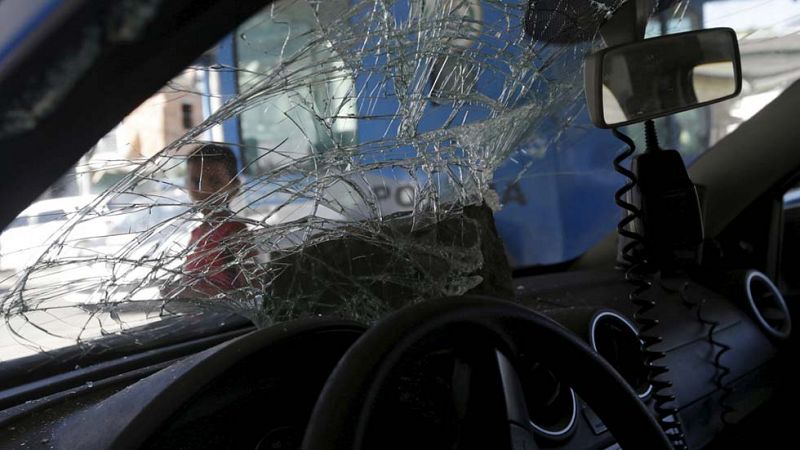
(661, 76)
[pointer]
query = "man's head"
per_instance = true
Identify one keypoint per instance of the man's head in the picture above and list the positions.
(212, 173)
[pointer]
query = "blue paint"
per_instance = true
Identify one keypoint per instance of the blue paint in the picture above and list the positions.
(567, 202)
(226, 56)
(564, 202)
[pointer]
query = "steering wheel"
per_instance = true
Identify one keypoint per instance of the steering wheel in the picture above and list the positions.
(352, 393)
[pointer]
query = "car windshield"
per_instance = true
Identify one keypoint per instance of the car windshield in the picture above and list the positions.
(349, 157)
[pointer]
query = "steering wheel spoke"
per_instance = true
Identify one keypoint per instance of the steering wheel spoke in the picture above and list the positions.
(522, 437)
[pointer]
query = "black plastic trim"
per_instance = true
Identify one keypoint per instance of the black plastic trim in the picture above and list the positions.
(75, 378)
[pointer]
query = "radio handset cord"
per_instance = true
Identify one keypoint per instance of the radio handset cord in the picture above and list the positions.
(661, 229)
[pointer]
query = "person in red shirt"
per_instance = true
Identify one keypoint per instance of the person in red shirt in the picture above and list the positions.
(218, 246)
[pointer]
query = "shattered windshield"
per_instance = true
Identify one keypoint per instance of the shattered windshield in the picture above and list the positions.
(345, 158)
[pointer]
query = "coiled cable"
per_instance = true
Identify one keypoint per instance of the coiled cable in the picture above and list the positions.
(639, 273)
(718, 348)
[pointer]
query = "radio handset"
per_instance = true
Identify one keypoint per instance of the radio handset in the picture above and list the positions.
(670, 220)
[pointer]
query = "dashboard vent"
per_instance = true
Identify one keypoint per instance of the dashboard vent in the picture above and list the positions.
(536, 396)
(552, 405)
(616, 339)
(767, 305)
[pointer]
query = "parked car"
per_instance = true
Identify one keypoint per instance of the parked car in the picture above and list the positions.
(29, 234)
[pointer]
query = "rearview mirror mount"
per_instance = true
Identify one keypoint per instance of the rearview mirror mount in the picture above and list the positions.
(660, 76)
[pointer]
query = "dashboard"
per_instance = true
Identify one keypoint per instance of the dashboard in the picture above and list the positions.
(258, 389)
(696, 324)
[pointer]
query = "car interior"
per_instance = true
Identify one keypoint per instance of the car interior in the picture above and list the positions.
(397, 329)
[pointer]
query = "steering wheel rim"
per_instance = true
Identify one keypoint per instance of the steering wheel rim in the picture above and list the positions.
(340, 417)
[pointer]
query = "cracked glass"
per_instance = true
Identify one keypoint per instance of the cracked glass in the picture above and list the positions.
(342, 158)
